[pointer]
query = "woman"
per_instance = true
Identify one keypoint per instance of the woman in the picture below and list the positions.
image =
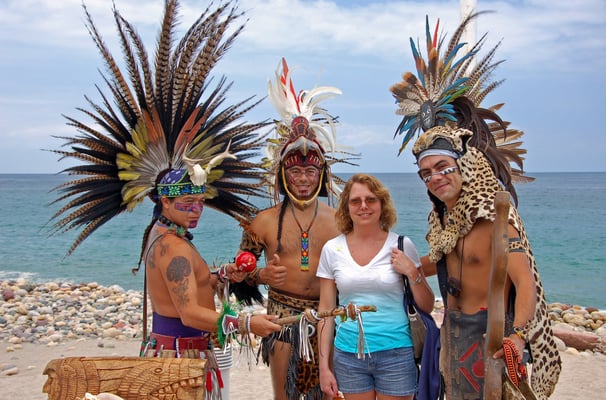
(363, 266)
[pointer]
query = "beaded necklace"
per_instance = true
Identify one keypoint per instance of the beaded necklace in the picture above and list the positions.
(304, 237)
(174, 228)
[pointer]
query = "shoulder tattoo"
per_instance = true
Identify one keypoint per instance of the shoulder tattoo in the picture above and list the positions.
(161, 247)
(177, 273)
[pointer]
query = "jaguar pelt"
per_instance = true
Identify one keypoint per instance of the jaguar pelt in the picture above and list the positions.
(477, 202)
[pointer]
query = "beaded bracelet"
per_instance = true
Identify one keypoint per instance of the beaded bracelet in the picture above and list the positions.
(248, 318)
(241, 323)
(417, 280)
(222, 273)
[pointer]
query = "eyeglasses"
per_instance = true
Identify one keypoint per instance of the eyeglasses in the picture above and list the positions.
(357, 202)
(296, 172)
(426, 175)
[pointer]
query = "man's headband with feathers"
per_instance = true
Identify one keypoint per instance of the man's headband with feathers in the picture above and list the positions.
(161, 115)
(448, 89)
(305, 128)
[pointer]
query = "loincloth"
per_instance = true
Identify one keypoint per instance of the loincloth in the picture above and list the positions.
(303, 377)
(462, 354)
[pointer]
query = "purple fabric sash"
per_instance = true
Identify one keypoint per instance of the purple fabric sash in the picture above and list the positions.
(173, 327)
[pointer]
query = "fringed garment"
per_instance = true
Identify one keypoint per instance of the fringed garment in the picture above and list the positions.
(303, 378)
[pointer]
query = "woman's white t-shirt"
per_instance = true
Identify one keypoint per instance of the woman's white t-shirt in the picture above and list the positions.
(376, 283)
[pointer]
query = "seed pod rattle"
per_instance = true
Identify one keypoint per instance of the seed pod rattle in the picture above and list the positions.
(246, 261)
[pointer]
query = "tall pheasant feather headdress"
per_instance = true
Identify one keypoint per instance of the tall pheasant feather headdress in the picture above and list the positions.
(448, 89)
(306, 134)
(159, 117)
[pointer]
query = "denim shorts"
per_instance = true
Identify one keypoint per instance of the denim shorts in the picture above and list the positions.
(390, 372)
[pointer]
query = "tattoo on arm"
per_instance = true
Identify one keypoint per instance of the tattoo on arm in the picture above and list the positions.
(178, 272)
(151, 261)
(162, 247)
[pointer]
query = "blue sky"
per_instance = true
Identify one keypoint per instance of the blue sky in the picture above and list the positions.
(554, 52)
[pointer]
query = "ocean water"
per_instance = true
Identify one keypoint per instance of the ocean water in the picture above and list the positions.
(564, 215)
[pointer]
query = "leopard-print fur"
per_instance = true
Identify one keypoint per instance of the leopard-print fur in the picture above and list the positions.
(477, 202)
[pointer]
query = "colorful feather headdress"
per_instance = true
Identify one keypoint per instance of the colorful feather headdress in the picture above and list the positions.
(305, 130)
(158, 116)
(448, 88)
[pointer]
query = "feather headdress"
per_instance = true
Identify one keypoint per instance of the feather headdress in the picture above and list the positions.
(305, 129)
(157, 116)
(448, 89)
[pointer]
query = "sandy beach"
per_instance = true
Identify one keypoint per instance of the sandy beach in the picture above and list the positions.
(43, 322)
(583, 374)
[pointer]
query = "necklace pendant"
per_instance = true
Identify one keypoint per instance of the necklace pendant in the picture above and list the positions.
(305, 237)
(304, 251)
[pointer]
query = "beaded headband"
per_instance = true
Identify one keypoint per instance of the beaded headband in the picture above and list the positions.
(177, 183)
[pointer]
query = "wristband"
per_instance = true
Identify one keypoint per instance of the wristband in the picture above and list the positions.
(230, 324)
(222, 273)
(520, 332)
(227, 324)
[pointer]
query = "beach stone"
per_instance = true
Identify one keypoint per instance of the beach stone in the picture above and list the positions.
(572, 350)
(15, 340)
(574, 319)
(45, 310)
(54, 312)
(10, 370)
(111, 333)
(598, 316)
(8, 294)
(561, 346)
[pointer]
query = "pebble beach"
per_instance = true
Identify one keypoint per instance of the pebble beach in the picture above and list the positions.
(43, 321)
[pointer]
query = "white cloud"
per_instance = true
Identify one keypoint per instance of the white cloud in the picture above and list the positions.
(554, 54)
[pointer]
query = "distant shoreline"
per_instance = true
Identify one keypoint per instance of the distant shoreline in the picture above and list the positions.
(530, 173)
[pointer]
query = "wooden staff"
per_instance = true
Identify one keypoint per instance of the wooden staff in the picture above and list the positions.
(493, 368)
(313, 317)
